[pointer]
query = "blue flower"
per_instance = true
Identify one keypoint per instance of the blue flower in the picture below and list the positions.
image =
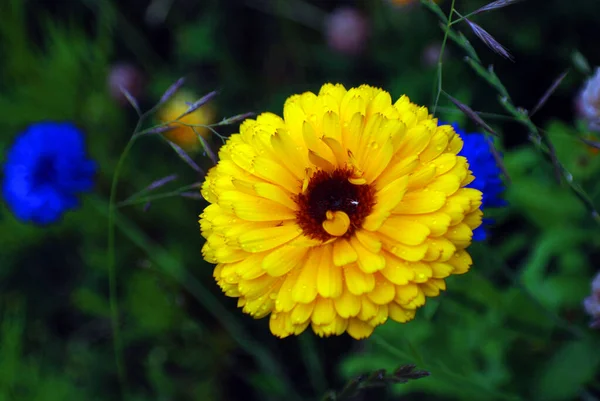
(487, 173)
(45, 169)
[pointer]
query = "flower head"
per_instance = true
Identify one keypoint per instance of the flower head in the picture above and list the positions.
(592, 303)
(347, 30)
(588, 101)
(347, 211)
(487, 173)
(45, 169)
(184, 135)
(125, 76)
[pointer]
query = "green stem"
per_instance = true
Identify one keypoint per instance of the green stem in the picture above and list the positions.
(112, 275)
(440, 62)
(173, 267)
(311, 361)
(143, 199)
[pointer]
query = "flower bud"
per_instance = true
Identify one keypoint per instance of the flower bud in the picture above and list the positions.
(587, 103)
(347, 30)
(128, 77)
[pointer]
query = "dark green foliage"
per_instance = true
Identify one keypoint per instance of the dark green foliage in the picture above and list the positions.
(511, 329)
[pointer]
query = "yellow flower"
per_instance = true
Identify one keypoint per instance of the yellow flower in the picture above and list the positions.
(347, 211)
(180, 134)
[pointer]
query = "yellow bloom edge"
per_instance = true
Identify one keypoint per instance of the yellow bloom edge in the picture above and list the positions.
(347, 211)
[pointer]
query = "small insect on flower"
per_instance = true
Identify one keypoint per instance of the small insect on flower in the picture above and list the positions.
(349, 210)
(181, 132)
(45, 169)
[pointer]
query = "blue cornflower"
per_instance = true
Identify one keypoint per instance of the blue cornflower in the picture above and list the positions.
(487, 173)
(45, 169)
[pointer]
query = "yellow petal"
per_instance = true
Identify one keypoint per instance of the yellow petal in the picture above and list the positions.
(324, 312)
(437, 222)
(293, 153)
(358, 329)
(259, 307)
(249, 268)
(441, 270)
(336, 327)
(423, 271)
(473, 219)
(305, 290)
(301, 313)
(275, 173)
(410, 253)
(447, 184)
(336, 223)
(357, 281)
(415, 140)
(268, 238)
(275, 193)
(337, 91)
(388, 199)
(336, 148)
(397, 168)
(320, 162)
(369, 240)
(227, 254)
(404, 230)
(460, 234)
(444, 163)
(399, 314)
(381, 316)
(406, 293)
(461, 261)
(257, 287)
(285, 301)
(369, 262)
(417, 301)
(343, 253)
(347, 304)
(419, 202)
(329, 276)
(351, 132)
(437, 145)
(421, 177)
(368, 309)
(283, 259)
(439, 249)
(280, 325)
(396, 270)
(384, 291)
(253, 208)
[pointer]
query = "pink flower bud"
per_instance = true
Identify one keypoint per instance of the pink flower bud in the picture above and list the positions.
(588, 101)
(591, 304)
(431, 54)
(347, 30)
(127, 76)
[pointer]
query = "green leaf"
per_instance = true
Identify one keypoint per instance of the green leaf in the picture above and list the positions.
(196, 43)
(90, 302)
(436, 9)
(148, 303)
(570, 368)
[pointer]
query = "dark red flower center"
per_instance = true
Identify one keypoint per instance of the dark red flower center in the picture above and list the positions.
(333, 192)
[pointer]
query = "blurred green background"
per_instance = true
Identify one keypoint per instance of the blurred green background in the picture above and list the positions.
(513, 328)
